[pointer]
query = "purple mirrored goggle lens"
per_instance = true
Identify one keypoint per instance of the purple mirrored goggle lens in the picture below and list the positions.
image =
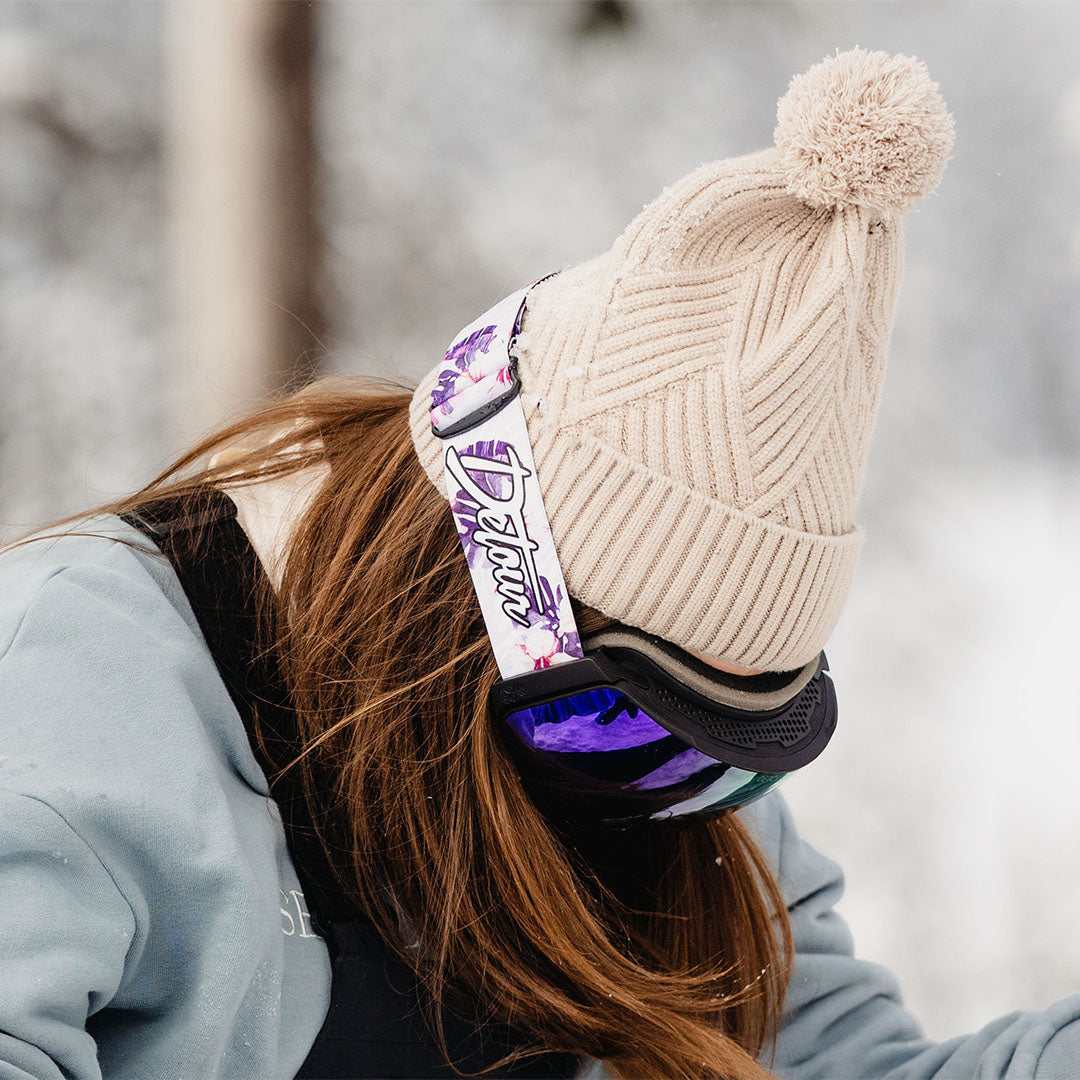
(597, 751)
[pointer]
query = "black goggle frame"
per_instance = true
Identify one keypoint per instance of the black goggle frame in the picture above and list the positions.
(778, 739)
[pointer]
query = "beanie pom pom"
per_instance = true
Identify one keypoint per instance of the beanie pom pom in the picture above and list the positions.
(863, 129)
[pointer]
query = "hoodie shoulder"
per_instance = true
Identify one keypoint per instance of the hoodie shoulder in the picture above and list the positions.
(104, 554)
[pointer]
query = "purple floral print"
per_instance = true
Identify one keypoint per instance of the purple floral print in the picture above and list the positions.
(453, 379)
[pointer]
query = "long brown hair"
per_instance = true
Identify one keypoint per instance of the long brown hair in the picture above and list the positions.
(662, 953)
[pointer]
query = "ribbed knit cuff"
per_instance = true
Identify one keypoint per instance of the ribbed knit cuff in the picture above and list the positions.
(653, 553)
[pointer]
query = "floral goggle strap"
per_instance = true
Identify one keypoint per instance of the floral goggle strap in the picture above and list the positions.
(476, 412)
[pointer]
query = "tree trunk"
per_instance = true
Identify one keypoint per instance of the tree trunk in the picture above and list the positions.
(242, 181)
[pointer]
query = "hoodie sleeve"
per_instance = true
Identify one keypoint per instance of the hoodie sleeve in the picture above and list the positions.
(65, 931)
(844, 1018)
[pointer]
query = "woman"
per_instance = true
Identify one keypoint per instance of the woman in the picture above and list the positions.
(502, 832)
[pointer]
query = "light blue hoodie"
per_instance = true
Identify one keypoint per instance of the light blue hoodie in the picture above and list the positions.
(151, 922)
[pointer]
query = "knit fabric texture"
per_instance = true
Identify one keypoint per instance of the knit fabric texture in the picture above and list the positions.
(700, 398)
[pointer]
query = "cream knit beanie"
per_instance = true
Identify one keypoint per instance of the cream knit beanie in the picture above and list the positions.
(700, 398)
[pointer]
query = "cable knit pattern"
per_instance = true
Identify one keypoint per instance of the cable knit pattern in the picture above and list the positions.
(701, 398)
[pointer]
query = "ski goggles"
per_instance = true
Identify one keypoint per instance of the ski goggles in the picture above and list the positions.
(641, 730)
(623, 727)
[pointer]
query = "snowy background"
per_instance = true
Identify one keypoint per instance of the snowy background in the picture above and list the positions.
(469, 147)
